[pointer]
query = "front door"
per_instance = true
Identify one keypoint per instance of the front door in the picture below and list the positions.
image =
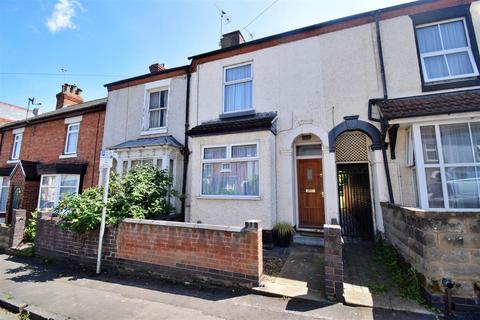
(310, 193)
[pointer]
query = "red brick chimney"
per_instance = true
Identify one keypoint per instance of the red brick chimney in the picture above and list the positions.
(157, 67)
(69, 95)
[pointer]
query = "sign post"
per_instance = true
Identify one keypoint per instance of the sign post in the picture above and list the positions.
(106, 163)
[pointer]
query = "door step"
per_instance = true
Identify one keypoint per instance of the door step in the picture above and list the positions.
(309, 239)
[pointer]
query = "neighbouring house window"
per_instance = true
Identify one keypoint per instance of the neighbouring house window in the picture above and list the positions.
(238, 88)
(54, 187)
(17, 145)
(445, 50)
(157, 109)
(230, 170)
(71, 140)
(452, 164)
(5, 185)
(129, 164)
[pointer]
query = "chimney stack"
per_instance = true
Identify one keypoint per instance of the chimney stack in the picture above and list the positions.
(157, 67)
(231, 39)
(69, 95)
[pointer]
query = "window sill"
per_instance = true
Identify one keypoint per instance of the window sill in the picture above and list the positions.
(220, 197)
(13, 161)
(66, 156)
(154, 131)
(450, 84)
(242, 113)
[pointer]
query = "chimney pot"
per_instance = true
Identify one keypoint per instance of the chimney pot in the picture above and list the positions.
(157, 67)
(231, 39)
(69, 95)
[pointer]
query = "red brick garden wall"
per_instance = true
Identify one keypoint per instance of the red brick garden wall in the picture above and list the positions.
(170, 250)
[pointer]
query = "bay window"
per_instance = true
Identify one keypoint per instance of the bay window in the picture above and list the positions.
(238, 88)
(230, 170)
(451, 165)
(445, 50)
(4, 185)
(54, 187)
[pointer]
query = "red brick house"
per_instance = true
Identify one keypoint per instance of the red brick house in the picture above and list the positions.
(46, 157)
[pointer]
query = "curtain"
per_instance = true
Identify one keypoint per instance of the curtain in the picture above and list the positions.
(436, 67)
(459, 63)
(453, 35)
(215, 153)
(434, 188)
(72, 142)
(244, 151)
(238, 96)
(462, 186)
(429, 39)
(475, 127)
(456, 144)
(240, 179)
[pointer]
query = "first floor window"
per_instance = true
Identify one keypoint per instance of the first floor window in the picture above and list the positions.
(451, 163)
(238, 88)
(230, 170)
(157, 109)
(4, 185)
(54, 187)
(17, 144)
(71, 140)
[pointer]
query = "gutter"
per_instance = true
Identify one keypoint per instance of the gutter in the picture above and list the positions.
(383, 121)
(186, 151)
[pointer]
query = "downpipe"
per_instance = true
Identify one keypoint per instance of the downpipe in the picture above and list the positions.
(447, 299)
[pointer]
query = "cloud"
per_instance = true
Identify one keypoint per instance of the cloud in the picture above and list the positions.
(61, 18)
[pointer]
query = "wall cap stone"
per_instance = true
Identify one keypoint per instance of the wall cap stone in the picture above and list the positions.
(183, 225)
(332, 226)
(424, 213)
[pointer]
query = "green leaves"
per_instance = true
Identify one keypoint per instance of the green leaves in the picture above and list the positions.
(143, 193)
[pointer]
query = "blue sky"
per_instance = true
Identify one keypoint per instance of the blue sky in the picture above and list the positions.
(100, 41)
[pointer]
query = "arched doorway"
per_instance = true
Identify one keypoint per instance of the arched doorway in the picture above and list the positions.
(309, 182)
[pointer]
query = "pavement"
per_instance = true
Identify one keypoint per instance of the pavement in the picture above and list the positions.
(368, 283)
(69, 293)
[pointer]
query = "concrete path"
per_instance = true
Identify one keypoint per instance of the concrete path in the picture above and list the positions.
(301, 277)
(368, 283)
(78, 295)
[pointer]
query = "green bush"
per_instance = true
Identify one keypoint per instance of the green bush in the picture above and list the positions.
(143, 193)
(30, 228)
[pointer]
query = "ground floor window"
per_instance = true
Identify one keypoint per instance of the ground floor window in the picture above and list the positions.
(4, 185)
(128, 164)
(230, 170)
(54, 187)
(450, 164)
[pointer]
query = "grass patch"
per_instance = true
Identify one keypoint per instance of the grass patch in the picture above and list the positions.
(407, 279)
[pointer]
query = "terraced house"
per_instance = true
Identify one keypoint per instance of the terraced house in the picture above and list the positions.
(370, 120)
(48, 156)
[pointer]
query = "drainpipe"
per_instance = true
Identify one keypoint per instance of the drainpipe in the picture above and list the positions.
(384, 122)
(186, 151)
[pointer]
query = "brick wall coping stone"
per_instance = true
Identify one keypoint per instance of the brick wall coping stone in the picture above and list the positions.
(331, 226)
(423, 213)
(184, 225)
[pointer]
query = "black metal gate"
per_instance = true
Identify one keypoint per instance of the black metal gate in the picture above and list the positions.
(354, 200)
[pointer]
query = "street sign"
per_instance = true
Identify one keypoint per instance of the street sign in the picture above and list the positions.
(106, 159)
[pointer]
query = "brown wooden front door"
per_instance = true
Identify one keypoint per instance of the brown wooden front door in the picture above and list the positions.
(311, 211)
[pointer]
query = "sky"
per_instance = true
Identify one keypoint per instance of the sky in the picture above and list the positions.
(101, 41)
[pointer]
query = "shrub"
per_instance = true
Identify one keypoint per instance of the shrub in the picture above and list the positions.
(30, 228)
(143, 193)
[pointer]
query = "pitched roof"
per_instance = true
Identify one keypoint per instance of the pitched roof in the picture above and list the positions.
(77, 108)
(432, 104)
(149, 142)
(253, 122)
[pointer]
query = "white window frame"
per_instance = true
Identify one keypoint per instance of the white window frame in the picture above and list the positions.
(147, 128)
(2, 187)
(445, 52)
(409, 146)
(225, 83)
(17, 146)
(58, 179)
(228, 159)
(70, 131)
(421, 165)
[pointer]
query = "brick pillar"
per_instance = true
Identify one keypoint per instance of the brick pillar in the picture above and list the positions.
(253, 226)
(333, 262)
(17, 227)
